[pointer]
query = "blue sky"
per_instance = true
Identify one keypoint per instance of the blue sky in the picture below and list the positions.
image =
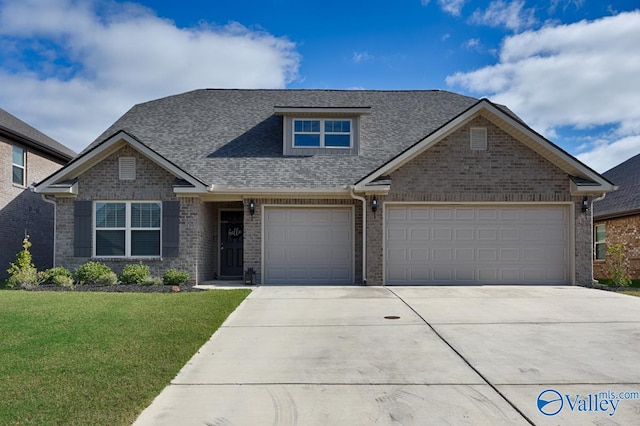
(570, 68)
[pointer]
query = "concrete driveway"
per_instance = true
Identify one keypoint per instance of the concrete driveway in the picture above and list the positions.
(414, 356)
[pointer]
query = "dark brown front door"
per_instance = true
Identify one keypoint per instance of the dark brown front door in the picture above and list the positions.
(231, 235)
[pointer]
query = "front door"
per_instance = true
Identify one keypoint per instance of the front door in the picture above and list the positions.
(231, 236)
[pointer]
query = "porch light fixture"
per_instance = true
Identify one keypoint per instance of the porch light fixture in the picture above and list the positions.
(585, 204)
(374, 205)
(252, 208)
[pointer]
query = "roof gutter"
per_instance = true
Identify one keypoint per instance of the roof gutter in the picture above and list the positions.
(364, 232)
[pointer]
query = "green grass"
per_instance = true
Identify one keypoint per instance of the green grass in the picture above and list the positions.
(98, 358)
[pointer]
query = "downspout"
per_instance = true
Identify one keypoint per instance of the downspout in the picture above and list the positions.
(364, 233)
(55, 223)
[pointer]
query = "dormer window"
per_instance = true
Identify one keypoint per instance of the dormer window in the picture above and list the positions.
(322, 133)
(321, 130)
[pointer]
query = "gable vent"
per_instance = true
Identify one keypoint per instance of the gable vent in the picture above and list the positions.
(127, 168)
(478, 138)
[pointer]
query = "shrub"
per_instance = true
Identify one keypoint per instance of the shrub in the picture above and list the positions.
(175, 277)
(90, 272)
(151, 281)
(110, 278)
(62, 281)
(618, 265)
(134, 274)
(49, 276)
(23, 272)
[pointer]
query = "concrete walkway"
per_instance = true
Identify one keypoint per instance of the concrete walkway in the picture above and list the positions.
(414, 356)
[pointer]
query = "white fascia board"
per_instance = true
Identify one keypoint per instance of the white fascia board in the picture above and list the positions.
(105, 149)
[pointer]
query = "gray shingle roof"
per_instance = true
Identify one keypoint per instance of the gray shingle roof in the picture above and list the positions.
(33, 137)
(627, 198)
(232, 137)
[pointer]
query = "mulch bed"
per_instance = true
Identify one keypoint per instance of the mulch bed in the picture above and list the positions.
(119, 288)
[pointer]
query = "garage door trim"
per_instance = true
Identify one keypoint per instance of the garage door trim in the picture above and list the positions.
(569, 206)
(263, 225)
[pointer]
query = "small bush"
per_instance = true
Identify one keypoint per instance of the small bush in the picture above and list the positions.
(62, 281)
(151, 281)
(49, 276)
(23, 272)
(91, 272)
(135, 274)
(110, 278)
(175, 277)
(618, 265)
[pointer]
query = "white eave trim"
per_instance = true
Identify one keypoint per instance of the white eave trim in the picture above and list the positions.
(106, 148)
(460, 120)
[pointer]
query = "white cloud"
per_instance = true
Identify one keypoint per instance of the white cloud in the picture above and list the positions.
(473, 43)
(511, 15)
(580, 75)
(88, 62)
(453, 7)
(360, 57)
(606, 155)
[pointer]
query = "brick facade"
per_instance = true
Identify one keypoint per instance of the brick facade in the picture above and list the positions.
(24, 212)
(449, 172)
(626, 231)
(507, 171)
(152, 183)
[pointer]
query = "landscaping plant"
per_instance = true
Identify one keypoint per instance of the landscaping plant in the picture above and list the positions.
(135, 274)
(95, 273)
(618, 265)
(23, 272)
(175, 277)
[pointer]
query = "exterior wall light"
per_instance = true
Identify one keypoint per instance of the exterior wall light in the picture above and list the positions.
(374, 205)
(585, 204)
(252, 208)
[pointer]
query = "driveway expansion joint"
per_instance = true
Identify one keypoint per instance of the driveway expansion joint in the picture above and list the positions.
(475, 370)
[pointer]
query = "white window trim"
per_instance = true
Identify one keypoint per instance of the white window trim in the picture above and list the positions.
(322, 133)
(23, 166)
(596, 242)
(127, 230)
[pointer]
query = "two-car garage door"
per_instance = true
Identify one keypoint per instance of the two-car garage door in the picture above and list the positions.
(308, 245)
(440, 244)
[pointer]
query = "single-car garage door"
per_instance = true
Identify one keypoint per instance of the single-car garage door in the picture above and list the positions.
(439, 244)
(308, 245)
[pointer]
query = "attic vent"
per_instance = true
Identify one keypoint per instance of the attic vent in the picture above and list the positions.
(478, 138)
(127, 168)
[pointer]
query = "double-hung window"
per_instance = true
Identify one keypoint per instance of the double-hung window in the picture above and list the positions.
(600, 249)
(18, 166)
(127, 229)
(322, 133)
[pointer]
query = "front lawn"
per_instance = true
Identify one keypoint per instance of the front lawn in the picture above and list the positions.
(98, 358)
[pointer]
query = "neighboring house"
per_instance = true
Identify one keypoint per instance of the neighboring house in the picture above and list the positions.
(329, 187)
(616, 218)
(27, 157)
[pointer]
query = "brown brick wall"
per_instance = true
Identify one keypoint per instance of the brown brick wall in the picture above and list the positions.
(626, 231)
(102, 182)
(22, 211)
(507, 171)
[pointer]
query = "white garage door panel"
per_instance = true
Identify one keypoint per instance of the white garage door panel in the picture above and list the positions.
(476, 245)
(308, 245)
